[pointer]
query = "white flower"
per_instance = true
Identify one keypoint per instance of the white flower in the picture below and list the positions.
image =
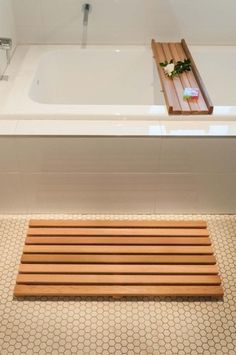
(169, 68)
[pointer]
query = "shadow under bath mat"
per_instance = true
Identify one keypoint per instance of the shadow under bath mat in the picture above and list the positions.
(117, 258)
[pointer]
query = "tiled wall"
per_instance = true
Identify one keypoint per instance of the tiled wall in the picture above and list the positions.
(126, 21)
(111, 21)
(7, 28)
(206, 21)
(117, 175)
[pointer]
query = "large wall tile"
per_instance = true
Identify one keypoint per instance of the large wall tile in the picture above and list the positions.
(28, 12)
(12, 199)
(197, 155)
(211, 21)
(126, 21)
(197, 193)
(8, 155)
(110, 21)
(7, 29)
(117, 175)
(88, 155)
(83, 194)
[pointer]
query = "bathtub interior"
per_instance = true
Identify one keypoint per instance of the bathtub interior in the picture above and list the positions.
(106, 82)
(123, 76)
(105, 76)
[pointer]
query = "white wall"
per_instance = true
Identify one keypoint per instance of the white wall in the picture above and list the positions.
(206, 21)
(117, 175)
(118, 21)
(7, 28)
(111, 21)
(126, 21)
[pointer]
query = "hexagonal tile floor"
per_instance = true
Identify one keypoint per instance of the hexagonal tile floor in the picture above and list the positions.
(124, 326)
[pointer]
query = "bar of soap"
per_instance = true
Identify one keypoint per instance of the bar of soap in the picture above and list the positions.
(191, 93)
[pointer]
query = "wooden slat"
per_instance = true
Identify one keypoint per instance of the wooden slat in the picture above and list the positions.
(120, 269)
(193, 82)
(118, 259)
(118, 240)
(184, 78)
(113, 249)
(116, 223)
(161, 232)
(185, 109)
(73, 258)
(36, 290)
(118, 279)
(171, 98)
(198, 77)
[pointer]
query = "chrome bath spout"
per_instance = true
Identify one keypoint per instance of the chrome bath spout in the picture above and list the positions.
(86, 9)
(6, 45)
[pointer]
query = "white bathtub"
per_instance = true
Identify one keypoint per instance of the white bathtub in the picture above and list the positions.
(86, 131)
(118, 77)
(112, 77)
(106, 83)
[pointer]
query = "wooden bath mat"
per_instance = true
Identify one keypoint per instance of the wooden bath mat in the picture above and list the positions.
(117, 258)
(173, 88)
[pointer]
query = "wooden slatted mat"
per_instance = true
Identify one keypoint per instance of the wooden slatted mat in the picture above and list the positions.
(173, 88)
(118, 258)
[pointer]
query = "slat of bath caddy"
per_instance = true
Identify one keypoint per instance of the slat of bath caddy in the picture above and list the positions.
(193, 82)
(103, 290)
(171, 98)
(118, 240)
(183, 77)
(119, 269)
(177, 83)
(198, 77)
(117, 259)
(161, 232)
(118, 279)
(116, 223)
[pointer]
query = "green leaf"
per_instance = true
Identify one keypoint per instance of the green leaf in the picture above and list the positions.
(179, 68)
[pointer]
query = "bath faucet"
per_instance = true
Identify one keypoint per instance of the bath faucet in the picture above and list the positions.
(6, 44)
(86, 10)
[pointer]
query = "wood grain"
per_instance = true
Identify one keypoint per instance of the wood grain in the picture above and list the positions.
(198, 77)
(118, 240)
(171, 97)
(173, 88)
(116, 223)
(176, 82)
(54, 279)
(161, 232)
(118, 258)
(118, 290)
(118, 249)
(191, 77)
(119, 269)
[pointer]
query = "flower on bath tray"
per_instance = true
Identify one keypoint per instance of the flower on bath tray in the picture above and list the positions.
(169, 68)
(172, 69)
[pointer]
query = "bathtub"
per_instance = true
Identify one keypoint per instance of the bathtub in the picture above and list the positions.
(87, 131)
(106, 83)
(94, 77)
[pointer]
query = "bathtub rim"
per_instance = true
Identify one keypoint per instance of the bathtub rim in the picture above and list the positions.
(30, 121)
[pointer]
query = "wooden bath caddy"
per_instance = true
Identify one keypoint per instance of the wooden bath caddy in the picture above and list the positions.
(117, 258)
(173, 88)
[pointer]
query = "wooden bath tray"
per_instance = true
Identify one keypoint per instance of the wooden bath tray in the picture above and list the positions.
(117, 258)
(173, 88)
